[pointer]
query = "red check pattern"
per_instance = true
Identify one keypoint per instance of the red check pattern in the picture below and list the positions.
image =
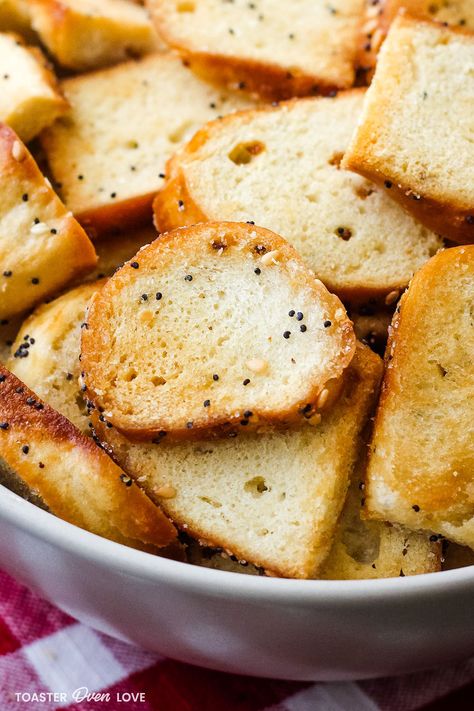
(43, 650)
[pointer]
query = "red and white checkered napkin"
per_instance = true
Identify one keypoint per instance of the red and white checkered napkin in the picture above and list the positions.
(43, 653)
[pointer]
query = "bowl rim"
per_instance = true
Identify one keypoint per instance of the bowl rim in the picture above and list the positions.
(61, 534)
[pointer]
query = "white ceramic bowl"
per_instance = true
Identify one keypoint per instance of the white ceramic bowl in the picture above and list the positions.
(288, 629)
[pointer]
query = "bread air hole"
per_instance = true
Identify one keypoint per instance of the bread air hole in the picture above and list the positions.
(256, 486)
(244, 153)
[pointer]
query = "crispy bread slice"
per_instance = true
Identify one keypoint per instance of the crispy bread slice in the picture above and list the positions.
(421, 470)
(272, 498)
(280, 167)
(380, 15)
(361, 549)
(45, 457)
(365, 549)
(30, 98)
(215, 325)
(108, 156)
(86, 34)
(415, 135)
(45, 354)
(281, 49)
(42, 247)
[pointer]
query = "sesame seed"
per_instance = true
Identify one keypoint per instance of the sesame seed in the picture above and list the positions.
(134, 265)
(161, 175)
(303, 328)
(189, 425)
(4, 425)
(258, 270)
(24, 197)
(388, 184)
(18, 151)
(69, 376)
(416, 508)
(291, 313)
(244, 422)
(215, 377)
(286, 334)
(327, 324)
(166, 492)
(188, 277)
(158, 296)
(35, 280)
(3, 378)
(470, 219)
(7, 273)
(25, 449)
(246, 381)
(299, 316)
(248, 413)
(126, 479)
(144, 297)
(392, 297)
(207, 403)
(41, 465)
(257, 365)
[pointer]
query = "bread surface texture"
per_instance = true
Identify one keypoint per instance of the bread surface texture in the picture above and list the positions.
(45, 354)
(87, 34)
(364, 549)
(379, 16)
(216, 325)
(108, 156)
(422, 454)
(70, 475)
(415, 133)
(30, 98)
(283, 49)
(42, 246)
(272, 499)
(280, 167)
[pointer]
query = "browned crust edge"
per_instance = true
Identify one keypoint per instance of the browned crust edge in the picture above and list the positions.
(24, 414)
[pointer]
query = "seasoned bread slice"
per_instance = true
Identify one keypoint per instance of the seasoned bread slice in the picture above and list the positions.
(86, 34)
(108, 156)
(280, 167)
(30, 98)
(42, 247)
(364, 549)
(271, 498)
(380, 15)
(280, 49)
(45, 457)
(421, 470)
(415, 133)
(361, 549)
(215, 325)
(45, 354)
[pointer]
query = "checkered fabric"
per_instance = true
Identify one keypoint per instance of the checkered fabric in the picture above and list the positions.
(46, 657)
